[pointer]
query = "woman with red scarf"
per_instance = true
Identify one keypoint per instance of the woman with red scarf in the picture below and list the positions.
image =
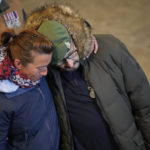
(28, 119)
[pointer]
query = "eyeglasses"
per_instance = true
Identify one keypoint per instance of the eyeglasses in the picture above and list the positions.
(70, 55)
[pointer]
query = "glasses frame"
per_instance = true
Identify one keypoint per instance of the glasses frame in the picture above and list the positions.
(67, 57)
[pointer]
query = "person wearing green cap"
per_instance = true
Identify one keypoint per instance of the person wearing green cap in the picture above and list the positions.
(102, 96)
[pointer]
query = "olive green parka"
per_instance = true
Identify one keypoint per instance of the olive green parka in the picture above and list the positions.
(122, 92)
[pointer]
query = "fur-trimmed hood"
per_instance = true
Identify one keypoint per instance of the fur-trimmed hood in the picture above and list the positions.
(78, 28)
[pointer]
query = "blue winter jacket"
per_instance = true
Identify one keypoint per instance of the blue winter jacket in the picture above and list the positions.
(28, 120)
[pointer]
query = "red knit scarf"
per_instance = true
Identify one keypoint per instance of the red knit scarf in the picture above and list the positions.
(9, 72)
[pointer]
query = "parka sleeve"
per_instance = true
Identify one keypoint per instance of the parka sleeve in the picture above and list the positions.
(4, 126)
(138, 90)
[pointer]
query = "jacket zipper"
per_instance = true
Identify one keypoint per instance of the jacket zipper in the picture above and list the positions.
(65, 106)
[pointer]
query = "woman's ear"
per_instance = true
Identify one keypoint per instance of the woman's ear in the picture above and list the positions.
(18, 64)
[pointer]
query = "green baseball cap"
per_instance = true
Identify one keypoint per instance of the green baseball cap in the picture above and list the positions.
(60, 37)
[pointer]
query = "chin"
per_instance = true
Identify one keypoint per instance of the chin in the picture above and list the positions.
(33, 79)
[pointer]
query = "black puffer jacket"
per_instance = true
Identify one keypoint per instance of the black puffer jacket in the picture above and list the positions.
(122, 91)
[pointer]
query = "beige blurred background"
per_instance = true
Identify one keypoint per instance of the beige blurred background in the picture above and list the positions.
(129, 20)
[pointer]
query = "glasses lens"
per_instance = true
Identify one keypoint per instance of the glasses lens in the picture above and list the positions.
(69, 56)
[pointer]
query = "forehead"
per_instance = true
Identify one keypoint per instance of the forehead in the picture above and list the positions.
(41, 59)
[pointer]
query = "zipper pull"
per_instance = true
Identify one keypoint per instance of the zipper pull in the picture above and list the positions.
(92, 93)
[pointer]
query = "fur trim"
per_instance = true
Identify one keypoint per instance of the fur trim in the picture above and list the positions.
(77, 27)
